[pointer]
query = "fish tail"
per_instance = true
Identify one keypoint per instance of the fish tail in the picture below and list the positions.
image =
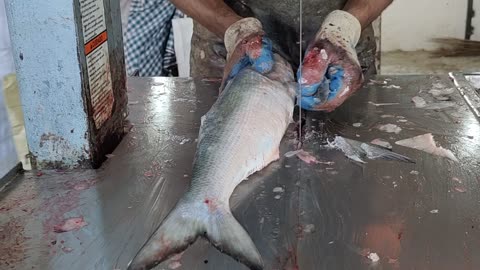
(188, 221)
(176, 232)
(228, 236)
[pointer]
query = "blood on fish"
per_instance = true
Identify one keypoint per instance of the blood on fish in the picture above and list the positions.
(212, 206)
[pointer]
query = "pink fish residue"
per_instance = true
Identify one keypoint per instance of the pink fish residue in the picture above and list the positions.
(174, 265)
(306, 157)
(67, 249)
(85, 184)
(70, 225)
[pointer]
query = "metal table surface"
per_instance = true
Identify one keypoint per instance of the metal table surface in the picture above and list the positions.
(327, 217)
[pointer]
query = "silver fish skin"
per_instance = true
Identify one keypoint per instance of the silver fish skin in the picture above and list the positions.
(239, 136)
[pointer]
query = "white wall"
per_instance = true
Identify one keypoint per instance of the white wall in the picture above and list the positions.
(408, 25)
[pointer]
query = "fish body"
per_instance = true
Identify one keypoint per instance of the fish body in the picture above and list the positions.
(239, 135)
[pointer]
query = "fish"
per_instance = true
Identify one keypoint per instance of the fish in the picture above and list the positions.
(238, 136)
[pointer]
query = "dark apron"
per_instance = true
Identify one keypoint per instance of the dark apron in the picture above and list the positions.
(280, 21)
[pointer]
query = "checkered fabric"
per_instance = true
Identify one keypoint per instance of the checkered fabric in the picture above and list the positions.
(149, 49)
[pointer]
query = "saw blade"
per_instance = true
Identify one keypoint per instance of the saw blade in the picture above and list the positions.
(299, 97)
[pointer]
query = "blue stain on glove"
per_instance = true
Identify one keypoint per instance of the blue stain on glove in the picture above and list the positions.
(335, 75)
(243, 63)
(263, 63)
(314, 95)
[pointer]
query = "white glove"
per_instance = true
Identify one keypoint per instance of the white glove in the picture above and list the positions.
(246, 46)
(330, 70)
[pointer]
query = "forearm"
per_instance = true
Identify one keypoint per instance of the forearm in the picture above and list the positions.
(214, 15)
(366, 11)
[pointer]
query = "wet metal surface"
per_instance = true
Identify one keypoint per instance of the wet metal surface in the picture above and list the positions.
(468, 86)
(300, 216)
(474, 79)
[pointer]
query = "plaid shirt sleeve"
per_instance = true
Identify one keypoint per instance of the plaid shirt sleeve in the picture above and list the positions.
(149, 49)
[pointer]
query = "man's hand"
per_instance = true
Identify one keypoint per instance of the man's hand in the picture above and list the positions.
(247, 46)
(330, 70)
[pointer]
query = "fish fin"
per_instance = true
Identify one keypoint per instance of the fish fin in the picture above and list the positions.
(378, 152)
(188, 221)
(354, 150)
(356, 158)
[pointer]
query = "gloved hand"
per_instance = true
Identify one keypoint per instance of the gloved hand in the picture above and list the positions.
(330, 70)
(246, 45)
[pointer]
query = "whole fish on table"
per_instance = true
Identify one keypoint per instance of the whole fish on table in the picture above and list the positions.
(239, 135)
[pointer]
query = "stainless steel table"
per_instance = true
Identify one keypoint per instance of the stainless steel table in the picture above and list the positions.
(414, 216)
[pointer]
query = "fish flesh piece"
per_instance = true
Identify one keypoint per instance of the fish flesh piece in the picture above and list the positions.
(390, 128)
(419, 102)
(239, 136)
(427, 144)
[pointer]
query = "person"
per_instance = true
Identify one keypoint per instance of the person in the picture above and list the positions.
(233, 34)
(148, 37)
(13, 141)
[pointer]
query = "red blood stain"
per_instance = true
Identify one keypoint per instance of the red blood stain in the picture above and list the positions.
(253, 46)
(400, 234)
(314, 66)
(12, 241)
(56, 206)
(81, 185)
(39, 173)
(293, 260)
(23, 202)
(20, 200)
